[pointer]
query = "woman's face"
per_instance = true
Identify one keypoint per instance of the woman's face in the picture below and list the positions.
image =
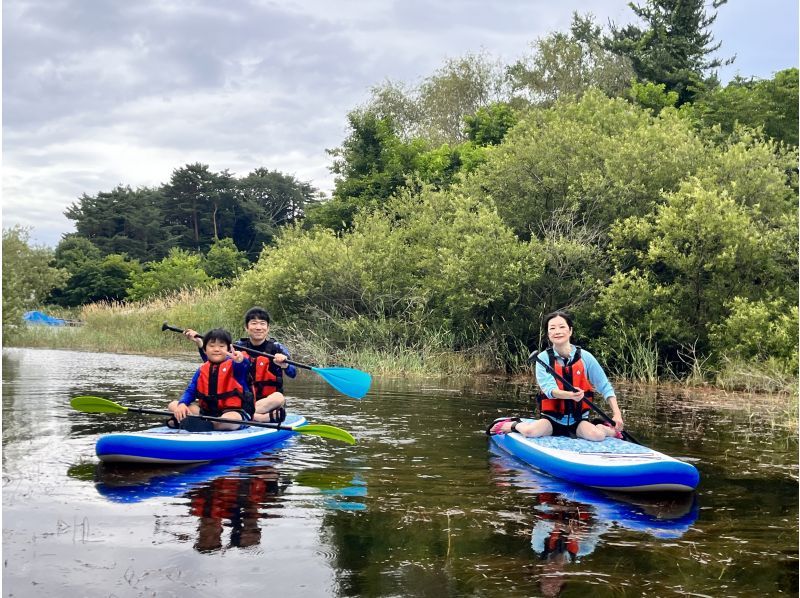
(558, 331)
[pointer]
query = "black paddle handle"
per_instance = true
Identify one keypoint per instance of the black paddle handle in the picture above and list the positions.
(213, 419)
(571, 388)
(166, 326)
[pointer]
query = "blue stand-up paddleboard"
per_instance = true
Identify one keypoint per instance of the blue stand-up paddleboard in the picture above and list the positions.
(174, 446)
(611, 464)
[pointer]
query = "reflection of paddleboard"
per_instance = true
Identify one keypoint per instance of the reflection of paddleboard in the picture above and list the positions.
(174, 446)
(127, 484)
(342, 489)
(667, 516)
(612, 464)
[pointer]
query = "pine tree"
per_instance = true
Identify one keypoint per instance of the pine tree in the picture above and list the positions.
(676, 46)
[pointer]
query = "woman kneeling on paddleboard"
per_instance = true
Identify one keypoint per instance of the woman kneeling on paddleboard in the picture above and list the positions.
(565, 413)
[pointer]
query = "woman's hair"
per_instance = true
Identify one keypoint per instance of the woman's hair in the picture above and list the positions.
(557, 314)
(256, 313)
(217, 334)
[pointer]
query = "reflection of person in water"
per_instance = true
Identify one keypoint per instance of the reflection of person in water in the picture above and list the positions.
(564, 531)
(237, 499)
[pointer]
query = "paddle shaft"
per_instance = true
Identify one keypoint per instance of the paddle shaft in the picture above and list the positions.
(166, 326)
(571, 388)
(353, 383)
(214, 419)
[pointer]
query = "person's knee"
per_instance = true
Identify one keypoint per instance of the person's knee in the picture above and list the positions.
(540, 427)
(592, 432)
(277, 399)
(235, 418)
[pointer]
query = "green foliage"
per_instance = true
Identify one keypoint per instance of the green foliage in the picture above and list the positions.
(197, 200)
(754, 172)
(771, 105)
(457, 90)
(443, 166)
(372, 164)
(574, 264)
(490, 124)
(123, 221)
(194, 209)
(428, 261)
(699, 251)
(467, 206)
(73, 251)
(565, 65)
(399, 104)
(97, 279)
(179, 270)
(435, 109)
(759, 330)
(267, 201)
(603, 159)
(28, 275)
(223, 261)
(673, 48)
(653, 96)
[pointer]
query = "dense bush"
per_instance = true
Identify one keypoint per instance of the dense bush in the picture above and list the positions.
(179, 270)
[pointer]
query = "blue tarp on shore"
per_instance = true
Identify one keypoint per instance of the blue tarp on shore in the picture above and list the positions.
(38, 317)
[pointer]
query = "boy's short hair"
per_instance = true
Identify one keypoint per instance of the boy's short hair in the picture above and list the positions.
(217, 334)
(256, 313)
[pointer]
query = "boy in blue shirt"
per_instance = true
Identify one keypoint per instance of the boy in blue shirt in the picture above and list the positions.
(219, 387)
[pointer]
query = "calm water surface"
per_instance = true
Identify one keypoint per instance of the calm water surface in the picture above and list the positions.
(420, 506)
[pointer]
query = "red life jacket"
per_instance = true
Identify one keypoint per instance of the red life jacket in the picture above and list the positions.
(225, 496)
(262, 378)
(573, 372)
(265, 377)
(217, 388)
(560, 541)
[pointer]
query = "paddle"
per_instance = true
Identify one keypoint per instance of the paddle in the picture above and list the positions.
(571, 388)
(348, 381)
(99, 405)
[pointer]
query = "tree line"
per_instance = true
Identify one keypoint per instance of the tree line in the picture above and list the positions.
(199, 228)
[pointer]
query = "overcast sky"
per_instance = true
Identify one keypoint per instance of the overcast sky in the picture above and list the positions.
(101, 93)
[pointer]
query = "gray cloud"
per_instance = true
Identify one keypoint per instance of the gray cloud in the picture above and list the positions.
(101, 93)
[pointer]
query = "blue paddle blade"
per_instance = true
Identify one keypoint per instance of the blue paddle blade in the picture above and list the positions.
(353, 383)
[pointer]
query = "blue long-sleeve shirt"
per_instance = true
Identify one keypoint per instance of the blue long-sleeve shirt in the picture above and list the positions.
(594, 372)
(239, 373)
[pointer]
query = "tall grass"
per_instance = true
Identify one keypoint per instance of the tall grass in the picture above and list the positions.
(136, 327)
(755, 376)
(632, 357)
(385, 346)
(379, 346)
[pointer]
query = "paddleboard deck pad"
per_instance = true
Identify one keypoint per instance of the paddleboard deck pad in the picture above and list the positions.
(611, 464)
(168, 445)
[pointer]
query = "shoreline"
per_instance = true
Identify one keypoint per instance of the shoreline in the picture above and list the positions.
(518, 378)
